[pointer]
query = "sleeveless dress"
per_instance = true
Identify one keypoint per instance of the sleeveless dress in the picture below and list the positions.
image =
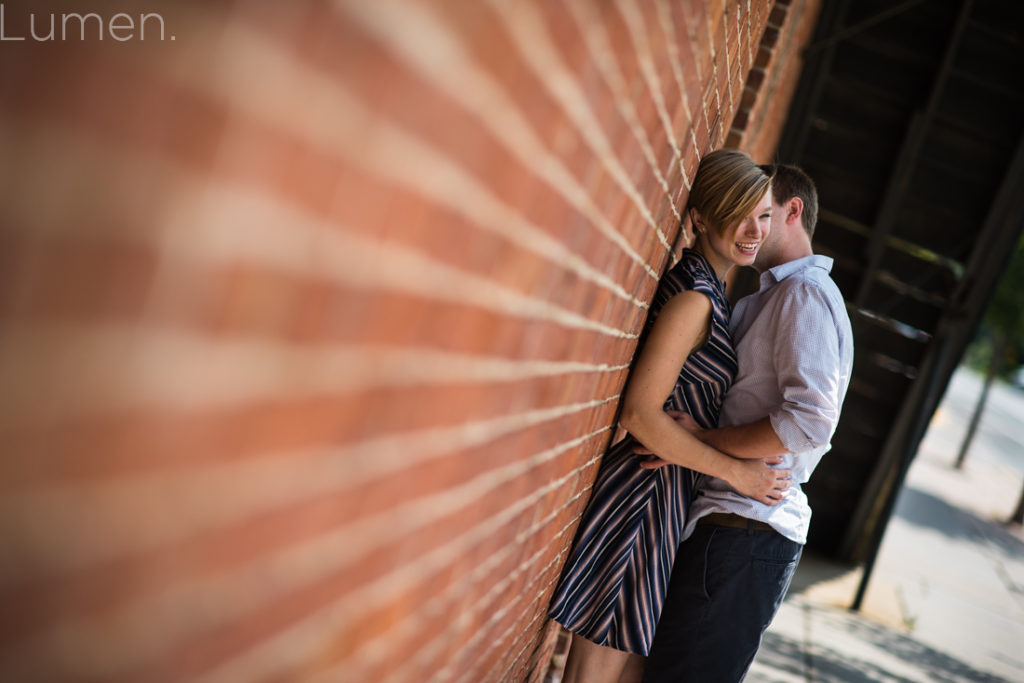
(614, 582)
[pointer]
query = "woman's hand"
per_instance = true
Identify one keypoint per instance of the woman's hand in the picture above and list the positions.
(753, 478)
(757, 479)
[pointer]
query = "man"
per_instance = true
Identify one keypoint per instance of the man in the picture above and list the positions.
(795, 349)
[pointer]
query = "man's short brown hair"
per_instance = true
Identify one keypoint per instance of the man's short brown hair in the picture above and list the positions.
(790, 181)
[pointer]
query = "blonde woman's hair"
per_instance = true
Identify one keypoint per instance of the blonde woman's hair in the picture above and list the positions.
(727, 188)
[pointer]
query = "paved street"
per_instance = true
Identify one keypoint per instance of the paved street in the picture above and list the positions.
(946, 599)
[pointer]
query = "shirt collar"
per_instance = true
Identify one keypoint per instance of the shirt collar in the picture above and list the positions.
(784, 270)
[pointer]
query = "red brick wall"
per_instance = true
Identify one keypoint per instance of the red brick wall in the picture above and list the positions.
(314, 322)
(773, 78)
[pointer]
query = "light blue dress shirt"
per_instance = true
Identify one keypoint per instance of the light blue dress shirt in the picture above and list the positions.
(794, 344)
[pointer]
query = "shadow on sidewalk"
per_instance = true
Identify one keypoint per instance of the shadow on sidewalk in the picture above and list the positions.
(783, 658)
(925, 510)
(815, 569)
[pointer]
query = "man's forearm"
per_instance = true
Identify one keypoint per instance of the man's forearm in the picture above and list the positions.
(751, 440)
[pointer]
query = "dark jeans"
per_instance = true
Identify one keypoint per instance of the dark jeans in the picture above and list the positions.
(727, 584)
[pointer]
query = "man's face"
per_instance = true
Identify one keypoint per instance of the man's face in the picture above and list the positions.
(767, 255)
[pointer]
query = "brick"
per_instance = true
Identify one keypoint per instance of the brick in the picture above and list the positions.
(740, 120)
(778, 16)
(755, 78)
(748, 97)
(376, 175)
(71, 279)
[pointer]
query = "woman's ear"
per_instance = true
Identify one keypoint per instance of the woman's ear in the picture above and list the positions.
(697, 222)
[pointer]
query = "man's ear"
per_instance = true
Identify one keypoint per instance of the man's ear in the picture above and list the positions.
(794, 209)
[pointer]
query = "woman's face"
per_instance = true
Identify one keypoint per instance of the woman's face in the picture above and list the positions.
(738, 244)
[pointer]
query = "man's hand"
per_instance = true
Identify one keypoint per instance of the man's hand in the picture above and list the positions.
(684, 420)
(654, 462)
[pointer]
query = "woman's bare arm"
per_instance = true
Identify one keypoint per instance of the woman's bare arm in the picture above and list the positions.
(680, 328)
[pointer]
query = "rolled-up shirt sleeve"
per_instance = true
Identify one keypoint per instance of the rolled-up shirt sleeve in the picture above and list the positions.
(794, 343)
(807, 363)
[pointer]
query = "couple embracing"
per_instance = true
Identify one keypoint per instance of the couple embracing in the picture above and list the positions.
(697, 520)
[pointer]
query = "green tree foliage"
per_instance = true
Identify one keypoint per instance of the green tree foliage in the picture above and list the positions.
(1002, 326)
(999, 340)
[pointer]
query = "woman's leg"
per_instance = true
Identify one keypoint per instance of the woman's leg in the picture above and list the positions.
(589, 662)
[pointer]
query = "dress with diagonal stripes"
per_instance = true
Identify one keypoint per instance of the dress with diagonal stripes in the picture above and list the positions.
(614, 582)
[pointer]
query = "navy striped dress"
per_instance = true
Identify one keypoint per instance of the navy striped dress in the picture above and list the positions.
(615, 580)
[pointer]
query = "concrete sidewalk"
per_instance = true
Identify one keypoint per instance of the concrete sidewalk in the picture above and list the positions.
(946, 598)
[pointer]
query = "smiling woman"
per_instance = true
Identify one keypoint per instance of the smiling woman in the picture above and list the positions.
(73, 26)
(616, 578)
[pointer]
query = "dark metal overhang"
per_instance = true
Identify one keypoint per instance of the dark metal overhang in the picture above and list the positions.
(910, 118)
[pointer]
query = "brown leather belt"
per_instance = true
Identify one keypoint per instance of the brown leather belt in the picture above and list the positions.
(735, 521)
